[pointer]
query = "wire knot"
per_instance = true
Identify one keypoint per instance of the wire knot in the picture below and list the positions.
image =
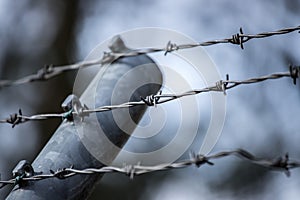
(199, 159)
(107, 57)
(15, 119)
(283, 163)
(221, 85)
(171, 47)
(294, 71)
(130, 171)
(238, 39)
(151, 100)
(46, 70)
(72, 104)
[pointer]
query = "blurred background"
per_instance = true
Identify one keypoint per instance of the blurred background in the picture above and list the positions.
(261, 118)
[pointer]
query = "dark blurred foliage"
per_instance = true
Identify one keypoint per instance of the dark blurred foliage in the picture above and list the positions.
(47, 96)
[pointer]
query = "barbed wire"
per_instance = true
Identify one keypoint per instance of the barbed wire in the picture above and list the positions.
(50, 71)
(77, 109)
(283, 164)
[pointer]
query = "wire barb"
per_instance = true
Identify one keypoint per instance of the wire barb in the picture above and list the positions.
(221, 86)
(199, 160)
(294, 71)
(283, 163)
(15, 119)
(152, 100)
(238, 39)
(171, 47)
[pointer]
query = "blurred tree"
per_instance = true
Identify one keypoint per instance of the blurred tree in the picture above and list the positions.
(55, 43)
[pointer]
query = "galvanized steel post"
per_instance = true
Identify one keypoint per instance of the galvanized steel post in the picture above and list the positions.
(66, 148)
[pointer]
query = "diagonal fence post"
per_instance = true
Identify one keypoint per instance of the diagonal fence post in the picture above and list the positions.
(66, 147)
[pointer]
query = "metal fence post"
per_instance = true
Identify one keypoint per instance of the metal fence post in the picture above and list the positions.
(66, 149)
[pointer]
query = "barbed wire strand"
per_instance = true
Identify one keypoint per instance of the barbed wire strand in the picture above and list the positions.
(154, 99)
(283, 164)
(50, 71)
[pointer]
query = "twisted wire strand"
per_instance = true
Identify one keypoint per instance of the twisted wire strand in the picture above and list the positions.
(283, 163)
(50, 71)
(154, 99)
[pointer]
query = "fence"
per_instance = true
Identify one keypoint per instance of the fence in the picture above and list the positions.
(281, 163)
